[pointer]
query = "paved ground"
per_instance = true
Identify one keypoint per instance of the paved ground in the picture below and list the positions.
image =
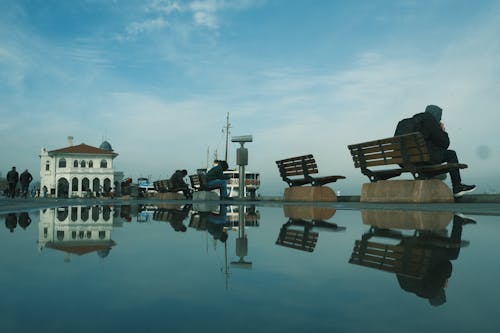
(491, 206)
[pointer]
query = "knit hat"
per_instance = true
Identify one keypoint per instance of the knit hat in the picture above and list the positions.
(435, 111)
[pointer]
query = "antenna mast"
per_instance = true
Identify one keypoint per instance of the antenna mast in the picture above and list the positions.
(228, 125)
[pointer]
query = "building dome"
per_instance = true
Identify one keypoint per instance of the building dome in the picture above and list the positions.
(105, 145)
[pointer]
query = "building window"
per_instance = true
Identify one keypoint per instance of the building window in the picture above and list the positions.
(60, 235)
(75, 163)
(95, 213)
(82, 163)
(73, 235)
(85, 184)
(74, 184)
(85, 214)
(102, 234)
(91, 164)
(74, 212)
(104, 164)
(47, 166)
(62, 163)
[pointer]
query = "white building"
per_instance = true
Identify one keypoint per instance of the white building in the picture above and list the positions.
(77, 171)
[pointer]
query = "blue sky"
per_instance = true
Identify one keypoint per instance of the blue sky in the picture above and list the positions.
(157, 78)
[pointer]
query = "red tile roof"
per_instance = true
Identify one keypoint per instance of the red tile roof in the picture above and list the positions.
(82, 149)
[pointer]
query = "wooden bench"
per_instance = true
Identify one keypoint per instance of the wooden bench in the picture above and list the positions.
(165, 186)
(404, 153)
(302, 167)
(199, 183)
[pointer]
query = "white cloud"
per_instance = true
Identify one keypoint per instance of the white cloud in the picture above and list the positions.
(137, 28)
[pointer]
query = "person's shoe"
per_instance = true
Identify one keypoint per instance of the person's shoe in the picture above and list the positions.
(462, 189)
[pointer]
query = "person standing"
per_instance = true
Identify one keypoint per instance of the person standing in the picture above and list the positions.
(12, 179)
(25, 180)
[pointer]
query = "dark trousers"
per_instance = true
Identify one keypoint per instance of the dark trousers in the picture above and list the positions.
(450, 156)
(12, 190)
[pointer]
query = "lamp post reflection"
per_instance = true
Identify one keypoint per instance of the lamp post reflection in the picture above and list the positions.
(241, 242)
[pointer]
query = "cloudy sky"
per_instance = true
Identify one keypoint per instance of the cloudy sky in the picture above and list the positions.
(156, 78)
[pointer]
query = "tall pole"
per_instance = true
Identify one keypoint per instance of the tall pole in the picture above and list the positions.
(227, 134)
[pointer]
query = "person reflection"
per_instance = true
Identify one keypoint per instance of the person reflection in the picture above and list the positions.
(24, 220)
(216, 222)
(176, 218)
(442, 249)
(11, 221)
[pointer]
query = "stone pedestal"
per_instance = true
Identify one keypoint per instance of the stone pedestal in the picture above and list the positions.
(308, 212)
(407, 219)
(170, 196)
(407, 191)
(309, 193)
(205, 195)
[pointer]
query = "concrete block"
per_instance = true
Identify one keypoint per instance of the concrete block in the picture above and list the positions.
(170, 196)
(308, 212)
(205, 195)
(407, 219)
(309, 193)
(407, 191)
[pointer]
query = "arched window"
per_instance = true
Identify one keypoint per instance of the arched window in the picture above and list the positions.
(82, 163)
(85, 214)
(74, 184)
(62, 213)
(95, 213)
(107, 185)
(47, 166)
(85, 184)
(104, 164)
(62, 163)
(75, 163)
(96, 185)
(91, 164)
(74, 214)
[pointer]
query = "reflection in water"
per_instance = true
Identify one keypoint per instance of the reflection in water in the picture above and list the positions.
(300, 231)
(73, 231)
(420, 260)
(174, 214)
(12, 220)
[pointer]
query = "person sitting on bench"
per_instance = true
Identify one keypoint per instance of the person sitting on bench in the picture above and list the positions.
(215, 176)
(177, 180)
(429, 124)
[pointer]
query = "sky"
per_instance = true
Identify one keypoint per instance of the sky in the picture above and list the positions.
(157, 78)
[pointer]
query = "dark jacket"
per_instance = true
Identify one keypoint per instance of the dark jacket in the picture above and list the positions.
(12, 177)
(437, 140)
(26, 178)
(215, 173)
(177, 180)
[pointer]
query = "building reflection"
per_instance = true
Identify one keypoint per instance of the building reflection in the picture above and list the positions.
(414, 245)
(77, 230)
(301, 231)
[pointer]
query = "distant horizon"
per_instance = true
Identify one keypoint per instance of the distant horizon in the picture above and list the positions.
(156, 78)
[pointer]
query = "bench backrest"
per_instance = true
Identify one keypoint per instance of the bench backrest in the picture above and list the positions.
(297, 166)
(195, 181)
(404, 150)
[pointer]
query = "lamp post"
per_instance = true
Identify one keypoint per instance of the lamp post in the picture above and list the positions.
(242, 161)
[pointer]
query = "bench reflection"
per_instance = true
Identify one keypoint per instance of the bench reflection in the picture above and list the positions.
(421, 258)
(300, 232)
